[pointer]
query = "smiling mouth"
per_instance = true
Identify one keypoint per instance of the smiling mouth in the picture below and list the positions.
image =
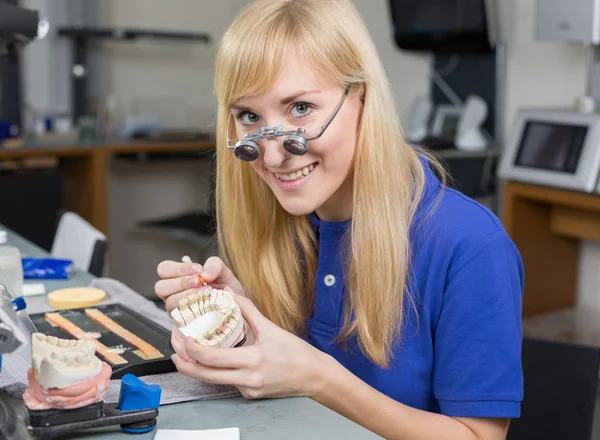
(295, 175)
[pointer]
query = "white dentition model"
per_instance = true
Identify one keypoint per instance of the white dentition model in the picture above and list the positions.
(59, 363)
(211, 317)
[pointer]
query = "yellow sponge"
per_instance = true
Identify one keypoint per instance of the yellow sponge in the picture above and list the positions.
(75, 298)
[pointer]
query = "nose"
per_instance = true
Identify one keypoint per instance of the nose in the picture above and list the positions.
(273, 152)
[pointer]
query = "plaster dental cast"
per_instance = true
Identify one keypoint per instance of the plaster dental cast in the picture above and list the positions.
(363, 281)
(65, 374)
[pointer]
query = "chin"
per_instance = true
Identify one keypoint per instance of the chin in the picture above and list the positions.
(298, 207)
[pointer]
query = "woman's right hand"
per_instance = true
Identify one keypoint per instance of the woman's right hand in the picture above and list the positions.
(181, 279)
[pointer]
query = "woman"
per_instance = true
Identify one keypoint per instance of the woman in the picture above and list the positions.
(368, 285)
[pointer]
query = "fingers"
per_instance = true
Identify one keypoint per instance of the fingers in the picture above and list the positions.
(175, 269)
(165, 288)
(239, 358)
(178, 344)
(208, 374)
(214, 269)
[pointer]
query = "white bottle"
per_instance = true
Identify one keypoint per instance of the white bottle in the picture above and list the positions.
(11, 267)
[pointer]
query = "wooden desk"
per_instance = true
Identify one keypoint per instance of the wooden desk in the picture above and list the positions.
(547, 226)
(85, 170)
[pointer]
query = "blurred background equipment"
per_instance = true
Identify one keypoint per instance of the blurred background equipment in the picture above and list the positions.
(18, 27)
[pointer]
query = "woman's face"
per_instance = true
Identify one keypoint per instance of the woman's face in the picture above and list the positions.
(317, 181)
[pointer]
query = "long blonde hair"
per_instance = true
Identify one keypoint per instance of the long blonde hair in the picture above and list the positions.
(273, 253)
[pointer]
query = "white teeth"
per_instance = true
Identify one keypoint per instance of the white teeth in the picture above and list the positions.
(296, 175)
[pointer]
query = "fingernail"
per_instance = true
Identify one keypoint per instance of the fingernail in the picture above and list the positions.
(196, 269)
(193, 282)
(173, 358)
(206, 273)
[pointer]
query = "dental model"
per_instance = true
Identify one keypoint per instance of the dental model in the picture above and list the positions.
(211, 317)
(65, 374)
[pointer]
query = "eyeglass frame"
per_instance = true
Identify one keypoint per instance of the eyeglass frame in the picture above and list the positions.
(274, 131)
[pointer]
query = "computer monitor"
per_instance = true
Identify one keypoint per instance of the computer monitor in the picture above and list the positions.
(445, 26)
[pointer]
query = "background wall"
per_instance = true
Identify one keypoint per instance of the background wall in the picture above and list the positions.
(179, 79)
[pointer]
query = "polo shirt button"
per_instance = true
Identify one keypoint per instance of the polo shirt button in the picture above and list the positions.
(329, 280)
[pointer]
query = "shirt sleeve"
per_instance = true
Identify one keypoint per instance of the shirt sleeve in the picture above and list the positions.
(477, 367)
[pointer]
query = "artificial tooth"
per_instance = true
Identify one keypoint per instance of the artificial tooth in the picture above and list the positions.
(305, 171)
(188, 316)
(228, 331)
(227, 295)
(213, 297)
(212, 342)
(178, 318)
(193, 302)
(63, 343)
(210, 333)
(52, 340)
(201, 340)
(75, 343)
(221, 339)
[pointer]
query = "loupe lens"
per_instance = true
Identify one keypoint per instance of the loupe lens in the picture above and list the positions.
(247, 151)
(295, 144)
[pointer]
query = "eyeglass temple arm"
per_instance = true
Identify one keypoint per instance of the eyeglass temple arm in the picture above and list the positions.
(333, 116)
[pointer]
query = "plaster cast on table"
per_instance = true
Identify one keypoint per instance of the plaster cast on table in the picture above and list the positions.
(65, 374)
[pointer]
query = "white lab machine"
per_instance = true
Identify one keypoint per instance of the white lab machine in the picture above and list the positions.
(568, 21)
(553, 147)
(469, 131)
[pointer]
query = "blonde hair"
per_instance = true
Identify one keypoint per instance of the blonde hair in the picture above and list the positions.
(273, 253)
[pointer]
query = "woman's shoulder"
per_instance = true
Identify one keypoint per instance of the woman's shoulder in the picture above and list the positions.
(447, 216)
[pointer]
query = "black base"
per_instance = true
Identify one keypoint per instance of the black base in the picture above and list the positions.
(48, 424)
(242, 342)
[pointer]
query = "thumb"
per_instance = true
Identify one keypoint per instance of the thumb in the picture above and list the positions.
(251, 314)
(215, 270)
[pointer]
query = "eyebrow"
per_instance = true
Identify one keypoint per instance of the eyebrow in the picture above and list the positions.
(284, 101)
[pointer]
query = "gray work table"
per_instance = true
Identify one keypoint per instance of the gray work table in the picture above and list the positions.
(290, 418)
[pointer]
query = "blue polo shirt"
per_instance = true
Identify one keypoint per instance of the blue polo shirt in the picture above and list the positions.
(460, 353)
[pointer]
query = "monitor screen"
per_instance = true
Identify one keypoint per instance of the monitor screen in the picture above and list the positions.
(449, 126)
(441, 25)
(551, 146)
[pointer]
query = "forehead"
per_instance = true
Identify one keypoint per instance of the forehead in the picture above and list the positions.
(296, 74)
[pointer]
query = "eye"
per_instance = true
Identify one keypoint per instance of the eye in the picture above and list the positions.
(301, 109)
(248, 118)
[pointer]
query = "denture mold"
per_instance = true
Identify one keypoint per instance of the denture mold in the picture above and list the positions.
(211, 317)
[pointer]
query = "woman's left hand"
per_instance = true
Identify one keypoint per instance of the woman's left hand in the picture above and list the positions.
(278, 364)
